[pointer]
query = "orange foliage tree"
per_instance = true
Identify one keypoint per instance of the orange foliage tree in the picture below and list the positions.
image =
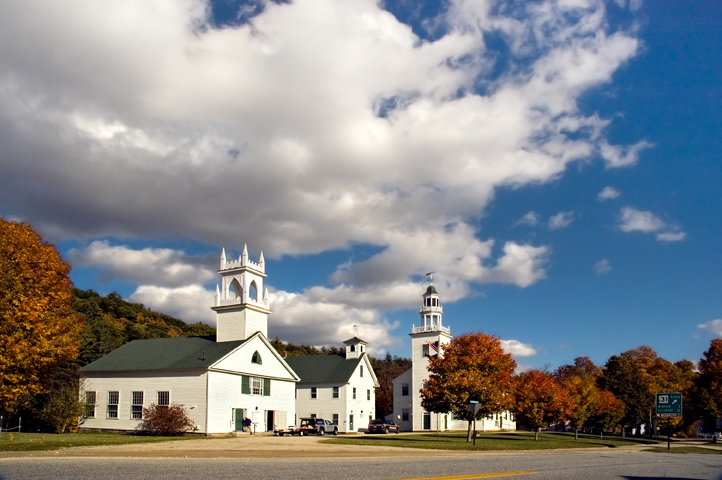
(539, 400)
(471, 367)
(38, 327)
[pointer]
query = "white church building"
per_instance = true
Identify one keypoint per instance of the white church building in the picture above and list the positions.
(428, 340)
(237, 374)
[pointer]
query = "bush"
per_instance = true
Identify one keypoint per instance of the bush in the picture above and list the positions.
(165, 420)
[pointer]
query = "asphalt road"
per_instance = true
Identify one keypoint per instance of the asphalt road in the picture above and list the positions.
(586, 466)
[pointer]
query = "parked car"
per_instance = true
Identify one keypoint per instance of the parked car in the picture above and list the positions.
(383, 426)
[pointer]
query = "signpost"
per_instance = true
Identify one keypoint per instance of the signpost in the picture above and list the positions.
(669, 405)
(474, 407)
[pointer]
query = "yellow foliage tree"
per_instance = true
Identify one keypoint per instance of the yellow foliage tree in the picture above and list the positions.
(38, 327)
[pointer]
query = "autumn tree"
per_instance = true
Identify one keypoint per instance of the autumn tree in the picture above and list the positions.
(609, 412)
(708, 387)
(38, 328)
(164, 420)
(539, 400)
(622, 376)
(580, 382)
(471, 367)
(386, 370)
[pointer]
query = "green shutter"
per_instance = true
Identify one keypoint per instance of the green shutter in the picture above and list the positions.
(245, 384)
(266, 387)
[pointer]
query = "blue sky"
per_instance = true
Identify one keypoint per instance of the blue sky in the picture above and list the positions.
(557, 163)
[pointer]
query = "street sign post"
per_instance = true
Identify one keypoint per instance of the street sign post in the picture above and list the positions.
(669, 405)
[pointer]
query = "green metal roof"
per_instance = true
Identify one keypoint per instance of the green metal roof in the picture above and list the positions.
(354, 340)
(183, 353)
(323, 368)
(430, 289)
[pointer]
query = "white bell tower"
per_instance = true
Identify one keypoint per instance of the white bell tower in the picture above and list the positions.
(240, 309)
(426, 341)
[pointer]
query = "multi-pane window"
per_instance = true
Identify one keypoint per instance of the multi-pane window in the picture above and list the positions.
(361, 371)
(425, 350)
(405, 389)
(335, 419)
(335, 392)
(163, 399)
(113, 400)
(256, 358)
(257, 387)
(354, 393)
(405, 414)
(368, 394)
(90, 404)
(136, 405)
(314, 392)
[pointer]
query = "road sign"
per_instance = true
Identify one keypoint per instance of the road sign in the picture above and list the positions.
(474, 406)
(669, 404)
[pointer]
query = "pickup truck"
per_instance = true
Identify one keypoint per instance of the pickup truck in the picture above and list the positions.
(310, 426)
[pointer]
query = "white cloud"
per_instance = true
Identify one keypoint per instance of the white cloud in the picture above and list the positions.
(561, 220)
(714, 326)
(191, 303)
(602, 267)
(622, 156)
(608, 193)
(517, 348)
(158, 266)
(142, 120)
(531, 219)
(633, 220)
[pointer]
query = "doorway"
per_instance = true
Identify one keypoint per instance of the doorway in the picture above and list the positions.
(427, 421)
(270, 414)
(238, 416)
(350, 423)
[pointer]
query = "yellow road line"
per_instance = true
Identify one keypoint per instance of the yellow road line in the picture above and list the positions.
(477, 475)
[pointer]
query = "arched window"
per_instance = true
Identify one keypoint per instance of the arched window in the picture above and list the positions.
(256, 358)
(234, 290)
(253, 292)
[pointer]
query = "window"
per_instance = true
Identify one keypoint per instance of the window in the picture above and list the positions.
(425, 350)
(314, 392)
(136, 405)
(163, 399)
(405, 389)
(361, 371)
(257, 386)
(335, 419)
(90, 404)
(256, 358)
(113, 400)
(353, 348)
(405, 414)
(335, 392)
(313, 415)
(354, 393)
(368, 394)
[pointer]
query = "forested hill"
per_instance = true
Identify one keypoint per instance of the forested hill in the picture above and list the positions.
(111, 321)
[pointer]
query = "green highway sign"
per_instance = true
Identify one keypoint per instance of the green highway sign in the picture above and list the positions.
(669, 404)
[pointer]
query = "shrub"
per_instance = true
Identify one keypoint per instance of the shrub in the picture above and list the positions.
(165, 420)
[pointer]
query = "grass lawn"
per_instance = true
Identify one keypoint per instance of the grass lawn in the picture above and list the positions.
(15, 442)
(708, 451)
(496, 441)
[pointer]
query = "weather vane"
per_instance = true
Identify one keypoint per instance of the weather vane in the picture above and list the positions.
(355, 330)
(431, 277)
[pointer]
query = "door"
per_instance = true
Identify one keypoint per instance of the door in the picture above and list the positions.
(350, 423)
(427, 421)
(269, 420)
(446, 422)
(281, 420)
(238, 419)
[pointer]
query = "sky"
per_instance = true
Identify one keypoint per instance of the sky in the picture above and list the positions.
(556, 163)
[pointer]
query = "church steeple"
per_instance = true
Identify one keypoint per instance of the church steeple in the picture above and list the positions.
(241, 304)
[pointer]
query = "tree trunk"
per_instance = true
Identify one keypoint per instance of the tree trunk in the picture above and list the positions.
(576, 434)
(468, 432)
(536, 434)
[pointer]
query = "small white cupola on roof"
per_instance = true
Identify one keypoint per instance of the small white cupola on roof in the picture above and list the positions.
(355, 347)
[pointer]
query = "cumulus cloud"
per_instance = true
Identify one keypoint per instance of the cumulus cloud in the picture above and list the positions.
(517, 348)
(158, 266)
(602, 267)
(622, 156)
(153, 122)
(561, 220)
(608, 193)
(531, 219)
(714, 326)
(191, 303)
(632, 220)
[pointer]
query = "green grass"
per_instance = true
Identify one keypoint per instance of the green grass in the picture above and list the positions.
(708, 451)
(495, 441)
(17, 442)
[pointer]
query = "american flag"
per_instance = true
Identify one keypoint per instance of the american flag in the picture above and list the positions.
(433, 345)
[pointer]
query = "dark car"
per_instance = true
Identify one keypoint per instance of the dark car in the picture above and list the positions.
(382, 426)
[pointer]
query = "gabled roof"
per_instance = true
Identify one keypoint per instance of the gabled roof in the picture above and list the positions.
(185, 353)
(354, 340)
(323, 368)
